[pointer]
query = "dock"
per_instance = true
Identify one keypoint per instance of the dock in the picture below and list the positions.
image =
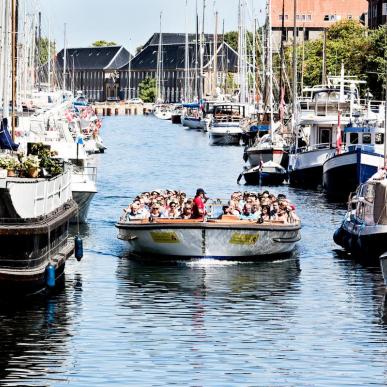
(122, 109)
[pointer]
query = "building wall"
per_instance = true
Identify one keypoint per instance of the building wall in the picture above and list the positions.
(91, 83)
(313, 16)
(317, 14)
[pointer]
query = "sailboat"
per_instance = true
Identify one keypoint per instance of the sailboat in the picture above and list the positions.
(161, 110)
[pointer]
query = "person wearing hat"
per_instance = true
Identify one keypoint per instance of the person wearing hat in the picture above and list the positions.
(199, 208)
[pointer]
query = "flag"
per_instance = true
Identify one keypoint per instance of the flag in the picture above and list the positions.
(339, 141)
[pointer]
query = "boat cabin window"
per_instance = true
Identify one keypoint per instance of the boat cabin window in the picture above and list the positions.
(325, 136)
(379, 138)
(353, 138)
(366, 138)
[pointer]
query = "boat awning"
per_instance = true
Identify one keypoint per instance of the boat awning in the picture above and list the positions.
(191, 105)
(259, 128)
(352, 129)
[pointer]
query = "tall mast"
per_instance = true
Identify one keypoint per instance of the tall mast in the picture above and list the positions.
(242, 52)
(14, 63)
(215, 82)
(129, 72)
(270, 68)
(5, 60)
(197, 53)
(324, 62)
(201, 88)
(159, 64)
(39, 47)
(49, 57)
(186, 57)
(64, 59)
(254, 78)
(295, 60)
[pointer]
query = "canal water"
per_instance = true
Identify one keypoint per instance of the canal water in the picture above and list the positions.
(315, 319)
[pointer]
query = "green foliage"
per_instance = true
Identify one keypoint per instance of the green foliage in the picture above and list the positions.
(147, 90)
(103, 43)
(43, 46)
(231, 38)
(347, 42)
(44, 155)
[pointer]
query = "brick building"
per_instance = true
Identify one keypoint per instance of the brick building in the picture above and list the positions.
(313, 16)
(375, 13)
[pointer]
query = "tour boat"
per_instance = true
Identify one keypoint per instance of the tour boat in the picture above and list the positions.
(269, 173)
(363, 232)
(351, 165)
(35, 215)
(226, 125)
(223, 238)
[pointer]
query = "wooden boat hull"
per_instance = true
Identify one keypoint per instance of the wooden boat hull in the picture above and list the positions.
(245, 240)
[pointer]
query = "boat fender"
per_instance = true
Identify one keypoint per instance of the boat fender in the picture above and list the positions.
(50, 276)
(239, 178)
(338, 236)
(78, 247)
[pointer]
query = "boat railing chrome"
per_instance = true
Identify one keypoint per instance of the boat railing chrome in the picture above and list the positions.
(89, 173)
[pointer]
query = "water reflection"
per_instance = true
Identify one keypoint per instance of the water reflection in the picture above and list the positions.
(34, 338)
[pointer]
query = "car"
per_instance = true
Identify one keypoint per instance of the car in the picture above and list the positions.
(135, 100)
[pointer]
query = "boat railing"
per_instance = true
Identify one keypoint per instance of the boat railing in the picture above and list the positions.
(89, 173)
(315, 147)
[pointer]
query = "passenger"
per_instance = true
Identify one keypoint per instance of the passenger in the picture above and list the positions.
(134, 212)
(199, 208)
(231, 210)
(187, 212)
(173, 211)
(274, 210)
(155, 212)
(265, 214)
(247, 214)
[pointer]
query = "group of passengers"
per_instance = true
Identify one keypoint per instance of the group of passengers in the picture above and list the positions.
(165, 204)
(259, 207)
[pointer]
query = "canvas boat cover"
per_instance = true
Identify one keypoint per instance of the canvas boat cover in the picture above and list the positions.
(380, 203)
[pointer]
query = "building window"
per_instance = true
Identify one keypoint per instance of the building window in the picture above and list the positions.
(281, 17)
(326, 18)
(349, 17)
(308, 17)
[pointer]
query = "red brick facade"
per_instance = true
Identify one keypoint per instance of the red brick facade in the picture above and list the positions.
(317, 14)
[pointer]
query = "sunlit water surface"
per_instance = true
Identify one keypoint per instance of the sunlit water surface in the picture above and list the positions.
(315, 319)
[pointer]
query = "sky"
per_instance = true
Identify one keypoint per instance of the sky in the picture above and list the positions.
(131, 22)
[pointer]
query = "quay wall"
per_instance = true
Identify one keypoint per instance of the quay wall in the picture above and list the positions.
(122, 109)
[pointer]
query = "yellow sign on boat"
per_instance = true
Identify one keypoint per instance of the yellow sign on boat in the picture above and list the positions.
(164, 237)
(244, 239)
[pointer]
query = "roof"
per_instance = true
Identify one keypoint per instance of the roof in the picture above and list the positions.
(177, 38)
(174, 57)
(94, 58)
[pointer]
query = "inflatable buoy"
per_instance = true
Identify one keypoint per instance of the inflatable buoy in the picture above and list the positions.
(78, 248)
(338, 236)
(50, 276)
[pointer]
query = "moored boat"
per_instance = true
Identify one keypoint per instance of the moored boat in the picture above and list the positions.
(363, 232)
(269, 173)
(35, 215)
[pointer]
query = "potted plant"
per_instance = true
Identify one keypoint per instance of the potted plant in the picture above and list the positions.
(10, 164)
(30, 166)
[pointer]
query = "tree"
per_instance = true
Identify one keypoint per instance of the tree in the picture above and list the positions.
(231, 38)
(147, 90)
(103, 43)
(346, 43)
(43, 50)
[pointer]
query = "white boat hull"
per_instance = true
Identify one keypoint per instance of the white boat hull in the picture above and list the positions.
(83, 199)
(193, 123)
(207, 241)
(225, 135)
(164, 115)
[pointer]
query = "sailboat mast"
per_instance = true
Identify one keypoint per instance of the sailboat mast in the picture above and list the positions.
(186, 55)
(215, 82)
(201, 87)
(14, 11)
(270, 68)
(159, 65)
(295, 59)
(197, 54)
(49, 58)
(64, 58)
